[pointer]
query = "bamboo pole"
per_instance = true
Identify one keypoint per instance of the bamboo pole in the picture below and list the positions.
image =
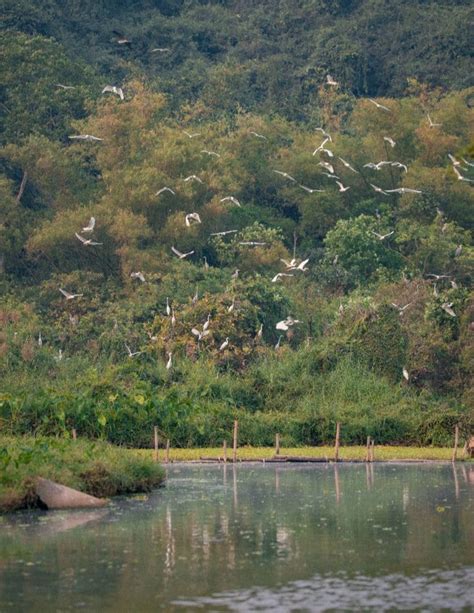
(277, 444)
(456, 443)
(167, 454)
(234, 449)
(336, 445)
(155, 437)
(224, 452)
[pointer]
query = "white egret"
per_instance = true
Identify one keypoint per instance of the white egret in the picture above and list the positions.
(86, 241)
(224, 344)
(138, 275)
(181, 255)
(68, 295)
(90, 226)
(112, 89)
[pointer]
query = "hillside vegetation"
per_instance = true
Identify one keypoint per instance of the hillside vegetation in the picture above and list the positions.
(334, 132)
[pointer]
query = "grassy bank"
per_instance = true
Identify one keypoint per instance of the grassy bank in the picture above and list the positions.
(93, 467)
(356, 452)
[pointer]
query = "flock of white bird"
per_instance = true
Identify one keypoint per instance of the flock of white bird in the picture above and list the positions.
(292, 266)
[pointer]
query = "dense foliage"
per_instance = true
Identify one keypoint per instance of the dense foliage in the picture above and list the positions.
(235, 117)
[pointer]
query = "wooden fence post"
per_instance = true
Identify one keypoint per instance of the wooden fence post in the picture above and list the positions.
(456, 443)
(336, 445)
(277, 444)
(234, 449)
(155, 432)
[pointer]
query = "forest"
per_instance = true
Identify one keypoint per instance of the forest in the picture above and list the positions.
(260, 210)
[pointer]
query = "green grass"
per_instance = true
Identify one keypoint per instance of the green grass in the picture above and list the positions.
(382, 452)
(94, 467)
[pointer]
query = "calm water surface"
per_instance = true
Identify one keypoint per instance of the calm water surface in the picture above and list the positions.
(254, 538)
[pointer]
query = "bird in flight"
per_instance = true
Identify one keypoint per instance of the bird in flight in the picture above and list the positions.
(192, 178)
(309, 190)
(432, 124)
(285, 324)
(324, 133)
(399, 165)
(223, 233)
(68, 295)
(280, 275)
(401, 309)
(86, 137)
(138, 275)
(160, 50)
(461, 177)
(200, 334)
(321, 146)
(90, 226)
(252, 243)
(438, 277)
(231, 199)
(330, 80)
(379, 190)
(403, 190)
(192, 134)
(447, 307)
(286, 175)
(61, 86)
(327, 166)
(341, 187)
(165, 189)
(112, 89)
(86, 241)
(180, 255)
(290, 265)
(381, 237)
(207, 152)
(257, 135)
(132, 354)
(190, 217)
(378, 105)
(347, 165)
(390, 141)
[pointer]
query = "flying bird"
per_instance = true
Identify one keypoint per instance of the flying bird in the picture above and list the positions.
(231, 199)
(90, 226)
(330, 80)
(138, 275)
(381, 237)
(192, 135)
(285, 324)
(291, 264)
(190, 217)
(160, 50)
(447, 307)
(61, 86)
(378, 105)
(432, 124)
(327, 166)
(181, 255)
(330, 176)
(165, 189)
(437, 277)
(252, 243)
(86, 137)
(460, 176)
(280, 275)
(286, 175)
(390, 141)
(403, 190)
(68, 295)
(192, 178)
(401, 309)
(347, 165)
(321, 146)
(223, 233)
(210, 153)
(86, 241)
(200, 334)
(257, 135)
(309, 190)
(341, 187)
(379, 190)
(301, 266)
(399, 165)
(131, 353)
(324, 133)
(112, 89)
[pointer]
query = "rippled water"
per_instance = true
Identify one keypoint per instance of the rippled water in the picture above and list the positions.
(255, 538)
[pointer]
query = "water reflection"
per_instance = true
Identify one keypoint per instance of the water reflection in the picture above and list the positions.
(216, 533)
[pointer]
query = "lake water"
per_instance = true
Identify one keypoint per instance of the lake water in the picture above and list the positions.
(255, 538)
